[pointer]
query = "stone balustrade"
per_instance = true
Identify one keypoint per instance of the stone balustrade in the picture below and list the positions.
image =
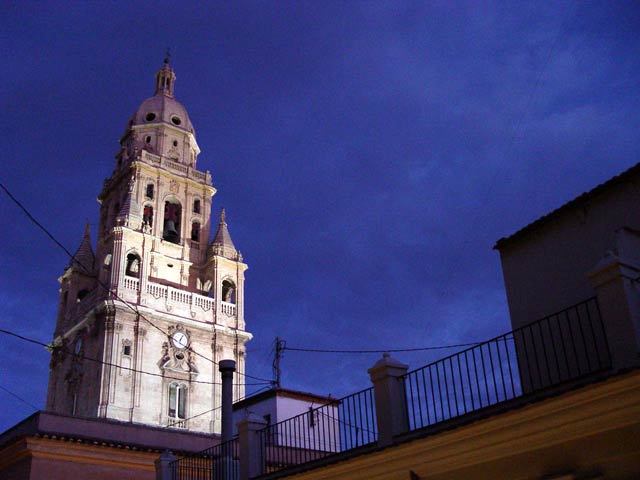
(180, 168)
(168, 299)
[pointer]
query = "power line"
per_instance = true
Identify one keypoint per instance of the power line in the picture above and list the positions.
(47, 346)
(216, 408)
(517, 126)
(389, 350)
(107, 288)
(15, 395)
(102, 362)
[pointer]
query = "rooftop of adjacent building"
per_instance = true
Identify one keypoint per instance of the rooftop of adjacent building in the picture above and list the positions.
(285, 393)
(107, 432)
(580, 200)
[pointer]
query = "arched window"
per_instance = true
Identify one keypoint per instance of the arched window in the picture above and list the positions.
(177, 401)
(172, 214)
(195, 231)
(228, 291)
(147, 215)
(133, 265)
(196, 206)
(149, 191)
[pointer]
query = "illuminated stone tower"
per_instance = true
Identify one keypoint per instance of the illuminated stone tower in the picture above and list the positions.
(157, 305)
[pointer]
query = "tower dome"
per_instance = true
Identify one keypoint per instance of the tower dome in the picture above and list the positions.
(163, 107)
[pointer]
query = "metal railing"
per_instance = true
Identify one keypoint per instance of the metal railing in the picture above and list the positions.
(220, 462)
(557, 349)
(336, 427)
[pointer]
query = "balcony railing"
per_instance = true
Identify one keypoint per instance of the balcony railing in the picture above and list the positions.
(216, 463)
(557, 349)
(333, 428)
(541, 358)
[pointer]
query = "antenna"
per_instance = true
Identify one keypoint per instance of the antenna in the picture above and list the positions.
(280, 346)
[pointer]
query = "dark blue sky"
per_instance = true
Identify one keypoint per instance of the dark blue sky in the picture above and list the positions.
(368, 154)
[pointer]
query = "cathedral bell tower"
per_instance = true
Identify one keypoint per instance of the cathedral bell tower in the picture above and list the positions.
(143, 322)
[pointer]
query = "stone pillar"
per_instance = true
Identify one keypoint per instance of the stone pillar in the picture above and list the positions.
(227, 367)
(252, 461)
(163, 466)
(615, 282)
(388, 390)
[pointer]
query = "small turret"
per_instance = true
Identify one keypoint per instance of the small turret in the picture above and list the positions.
(222, 244)
(84, 257)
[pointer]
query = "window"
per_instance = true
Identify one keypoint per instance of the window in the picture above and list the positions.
(195, 231)
(149, 192)
(196, 206)
(172, 214)
(147, 215)
(133, 265)
(177, 401)
(147, 139)
(126, 350)
(228, 291)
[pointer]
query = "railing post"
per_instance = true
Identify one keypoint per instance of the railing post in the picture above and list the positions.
(389, 394)
(163, 465)
(252, 459)
(614, 279)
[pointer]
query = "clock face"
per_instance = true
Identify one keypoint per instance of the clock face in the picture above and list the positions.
(179, 340)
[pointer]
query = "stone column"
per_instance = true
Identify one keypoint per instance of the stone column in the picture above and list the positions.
(227, 367)
(251, 455)
(388, 390)
(615, 281)
(163, 466)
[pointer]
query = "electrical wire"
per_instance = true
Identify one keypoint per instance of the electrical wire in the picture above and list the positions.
(42, 344)
(15, 395)
(216, 408)
(102, 362)
(389, 350)
(111, 292)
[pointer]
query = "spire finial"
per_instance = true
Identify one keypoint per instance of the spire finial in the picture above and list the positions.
(87, 228)
(167, 56)
(223, 216)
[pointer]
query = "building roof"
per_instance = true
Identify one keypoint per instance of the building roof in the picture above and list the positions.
(284, 392)
(107, 432)
(579, 200)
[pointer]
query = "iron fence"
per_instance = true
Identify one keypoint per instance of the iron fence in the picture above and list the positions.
(338, 426)
(559, 348)
(219, 462)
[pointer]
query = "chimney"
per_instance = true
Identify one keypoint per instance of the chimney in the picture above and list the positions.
(227, 367)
